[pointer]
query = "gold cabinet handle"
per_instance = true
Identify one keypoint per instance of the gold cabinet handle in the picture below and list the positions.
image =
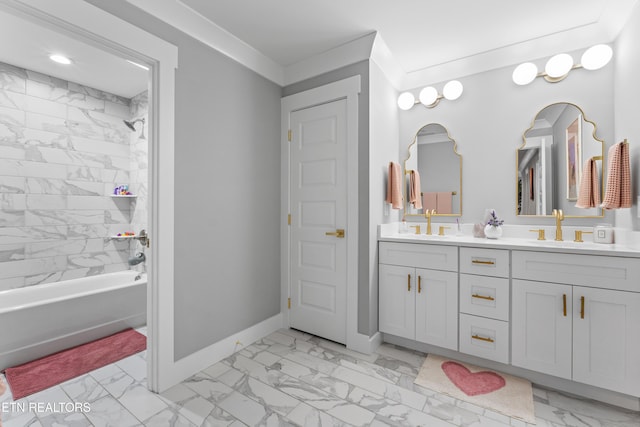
(478, 337)
(339, 233)
(564, 304)
(419, 284)
(582, 307)
(477, 261)
(409, 282)
(489, 298)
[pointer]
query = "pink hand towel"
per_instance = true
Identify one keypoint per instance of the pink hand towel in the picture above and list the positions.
(429, 201)
(415, 197)
(618, 192)
(394, 186)
(589, 194)
(444, 203)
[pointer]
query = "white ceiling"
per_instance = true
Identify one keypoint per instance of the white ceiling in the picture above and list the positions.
(420, 34)
(28, 45)
(456, 37)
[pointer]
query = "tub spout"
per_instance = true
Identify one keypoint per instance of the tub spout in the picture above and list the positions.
(140, 257)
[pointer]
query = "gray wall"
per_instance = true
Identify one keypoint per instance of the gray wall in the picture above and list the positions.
(383, 147)
(627, 95)
(227, 181)
(488, 121)
(361, 69)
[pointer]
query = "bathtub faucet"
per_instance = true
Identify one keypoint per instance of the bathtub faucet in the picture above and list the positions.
(143, 237)
(140, 257)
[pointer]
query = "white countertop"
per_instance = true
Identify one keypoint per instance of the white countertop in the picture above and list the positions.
(518, 237)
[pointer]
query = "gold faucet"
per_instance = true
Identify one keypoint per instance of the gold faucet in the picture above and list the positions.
(417, 227)
(559, 216)
(441, 230)
(579, 234)
(540, 232)
(428, 213)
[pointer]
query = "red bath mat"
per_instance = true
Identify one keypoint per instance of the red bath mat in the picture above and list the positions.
(506, 394)
(40, 374)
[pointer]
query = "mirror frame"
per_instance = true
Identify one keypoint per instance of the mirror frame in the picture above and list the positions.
(524, 144)
(406, 172)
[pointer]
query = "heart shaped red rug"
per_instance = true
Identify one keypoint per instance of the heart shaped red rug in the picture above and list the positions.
(472, 384)
(497, 391)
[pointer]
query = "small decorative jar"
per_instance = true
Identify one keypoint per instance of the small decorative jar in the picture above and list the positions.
(603, 233)
(492, 231)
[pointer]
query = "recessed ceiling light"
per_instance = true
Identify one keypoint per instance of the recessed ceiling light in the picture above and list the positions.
(60, 59)
(144, 67)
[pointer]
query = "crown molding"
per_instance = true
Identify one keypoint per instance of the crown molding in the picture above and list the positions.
(187, 20)
(373, 47)
(349, 53)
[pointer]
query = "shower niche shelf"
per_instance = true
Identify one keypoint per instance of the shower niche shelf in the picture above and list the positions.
(122, 237)
(124, 196)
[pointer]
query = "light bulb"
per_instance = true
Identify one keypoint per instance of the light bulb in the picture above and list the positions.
(428, 96)
(596, 57)
(406, 100)
(60, 59)
(525, 73)
(452, 90)
(559, 65)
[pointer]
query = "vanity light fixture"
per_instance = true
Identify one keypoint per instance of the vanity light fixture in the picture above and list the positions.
(559, 66)
(60, 59)
(429, 96)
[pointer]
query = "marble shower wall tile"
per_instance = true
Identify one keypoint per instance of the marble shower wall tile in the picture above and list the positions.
(63, 149)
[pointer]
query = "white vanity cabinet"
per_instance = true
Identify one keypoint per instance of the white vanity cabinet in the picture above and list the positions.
(578, 317)
(418, 292)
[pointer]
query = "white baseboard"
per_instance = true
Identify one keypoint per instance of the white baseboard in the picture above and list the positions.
(206, 357)
(560, 384)
(364, 343)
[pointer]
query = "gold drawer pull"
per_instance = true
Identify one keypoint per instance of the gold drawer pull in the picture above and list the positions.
(489, 298)
(477, 337)
(582, 307)
(564, 305)
(477, 261)
(409, 282)
(419, 284)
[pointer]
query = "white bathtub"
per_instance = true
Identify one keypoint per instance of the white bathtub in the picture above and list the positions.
(43, 319)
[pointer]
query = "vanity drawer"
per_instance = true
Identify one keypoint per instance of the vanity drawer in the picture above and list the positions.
(576, 269)
(486, 338)
(484, 296)
(486, 262)
(435, 257)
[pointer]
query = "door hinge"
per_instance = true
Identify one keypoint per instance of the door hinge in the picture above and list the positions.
(289, 303)
(289, 135)
(289, 219)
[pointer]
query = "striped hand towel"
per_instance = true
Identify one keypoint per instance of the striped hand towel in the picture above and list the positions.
(589, 194)
(618, 192)
(394, 186)
(415, 193)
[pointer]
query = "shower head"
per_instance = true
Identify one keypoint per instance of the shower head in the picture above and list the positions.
(131, 124)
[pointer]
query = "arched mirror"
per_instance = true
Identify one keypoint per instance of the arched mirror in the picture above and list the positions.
(560, 164)
(433, 155)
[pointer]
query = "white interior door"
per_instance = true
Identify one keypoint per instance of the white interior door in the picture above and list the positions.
(318, 201)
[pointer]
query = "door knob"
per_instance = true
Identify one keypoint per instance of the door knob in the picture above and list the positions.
(339, 233)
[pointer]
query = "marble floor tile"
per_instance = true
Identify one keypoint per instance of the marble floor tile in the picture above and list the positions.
(244, 409)
(306, 415)
(141, 402)
(166, 418)
(290, 378)
(107, 411)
